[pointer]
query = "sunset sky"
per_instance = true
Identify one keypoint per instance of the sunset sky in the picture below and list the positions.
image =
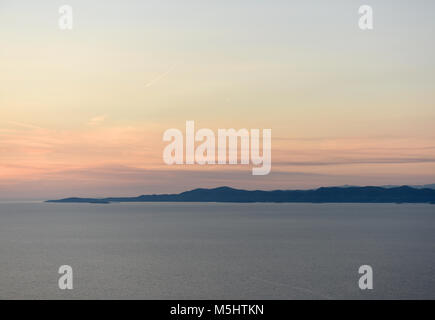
(83, 112)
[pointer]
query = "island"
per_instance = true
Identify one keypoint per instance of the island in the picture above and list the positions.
(403, 194)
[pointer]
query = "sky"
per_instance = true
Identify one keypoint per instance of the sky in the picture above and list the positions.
(83, 111)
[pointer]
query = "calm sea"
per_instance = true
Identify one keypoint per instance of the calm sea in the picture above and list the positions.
(217, 251)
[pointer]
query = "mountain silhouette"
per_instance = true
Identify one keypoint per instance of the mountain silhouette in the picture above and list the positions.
(403, 194)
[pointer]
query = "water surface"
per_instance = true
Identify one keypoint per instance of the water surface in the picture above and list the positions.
(216, 251)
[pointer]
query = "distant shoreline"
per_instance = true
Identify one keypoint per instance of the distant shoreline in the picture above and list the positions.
(403, 194)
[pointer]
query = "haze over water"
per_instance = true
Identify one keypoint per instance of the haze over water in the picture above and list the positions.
(217, 251)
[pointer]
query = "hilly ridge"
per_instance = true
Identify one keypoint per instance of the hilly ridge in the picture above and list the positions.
(403, 194)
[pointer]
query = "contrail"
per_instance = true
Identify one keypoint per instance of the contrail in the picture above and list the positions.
(159, 77)
(25, 125)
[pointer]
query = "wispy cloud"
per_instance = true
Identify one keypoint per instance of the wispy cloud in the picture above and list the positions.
(24, 125)
(356, 161)
(126, 160)
(97, 120)
(118, 180)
